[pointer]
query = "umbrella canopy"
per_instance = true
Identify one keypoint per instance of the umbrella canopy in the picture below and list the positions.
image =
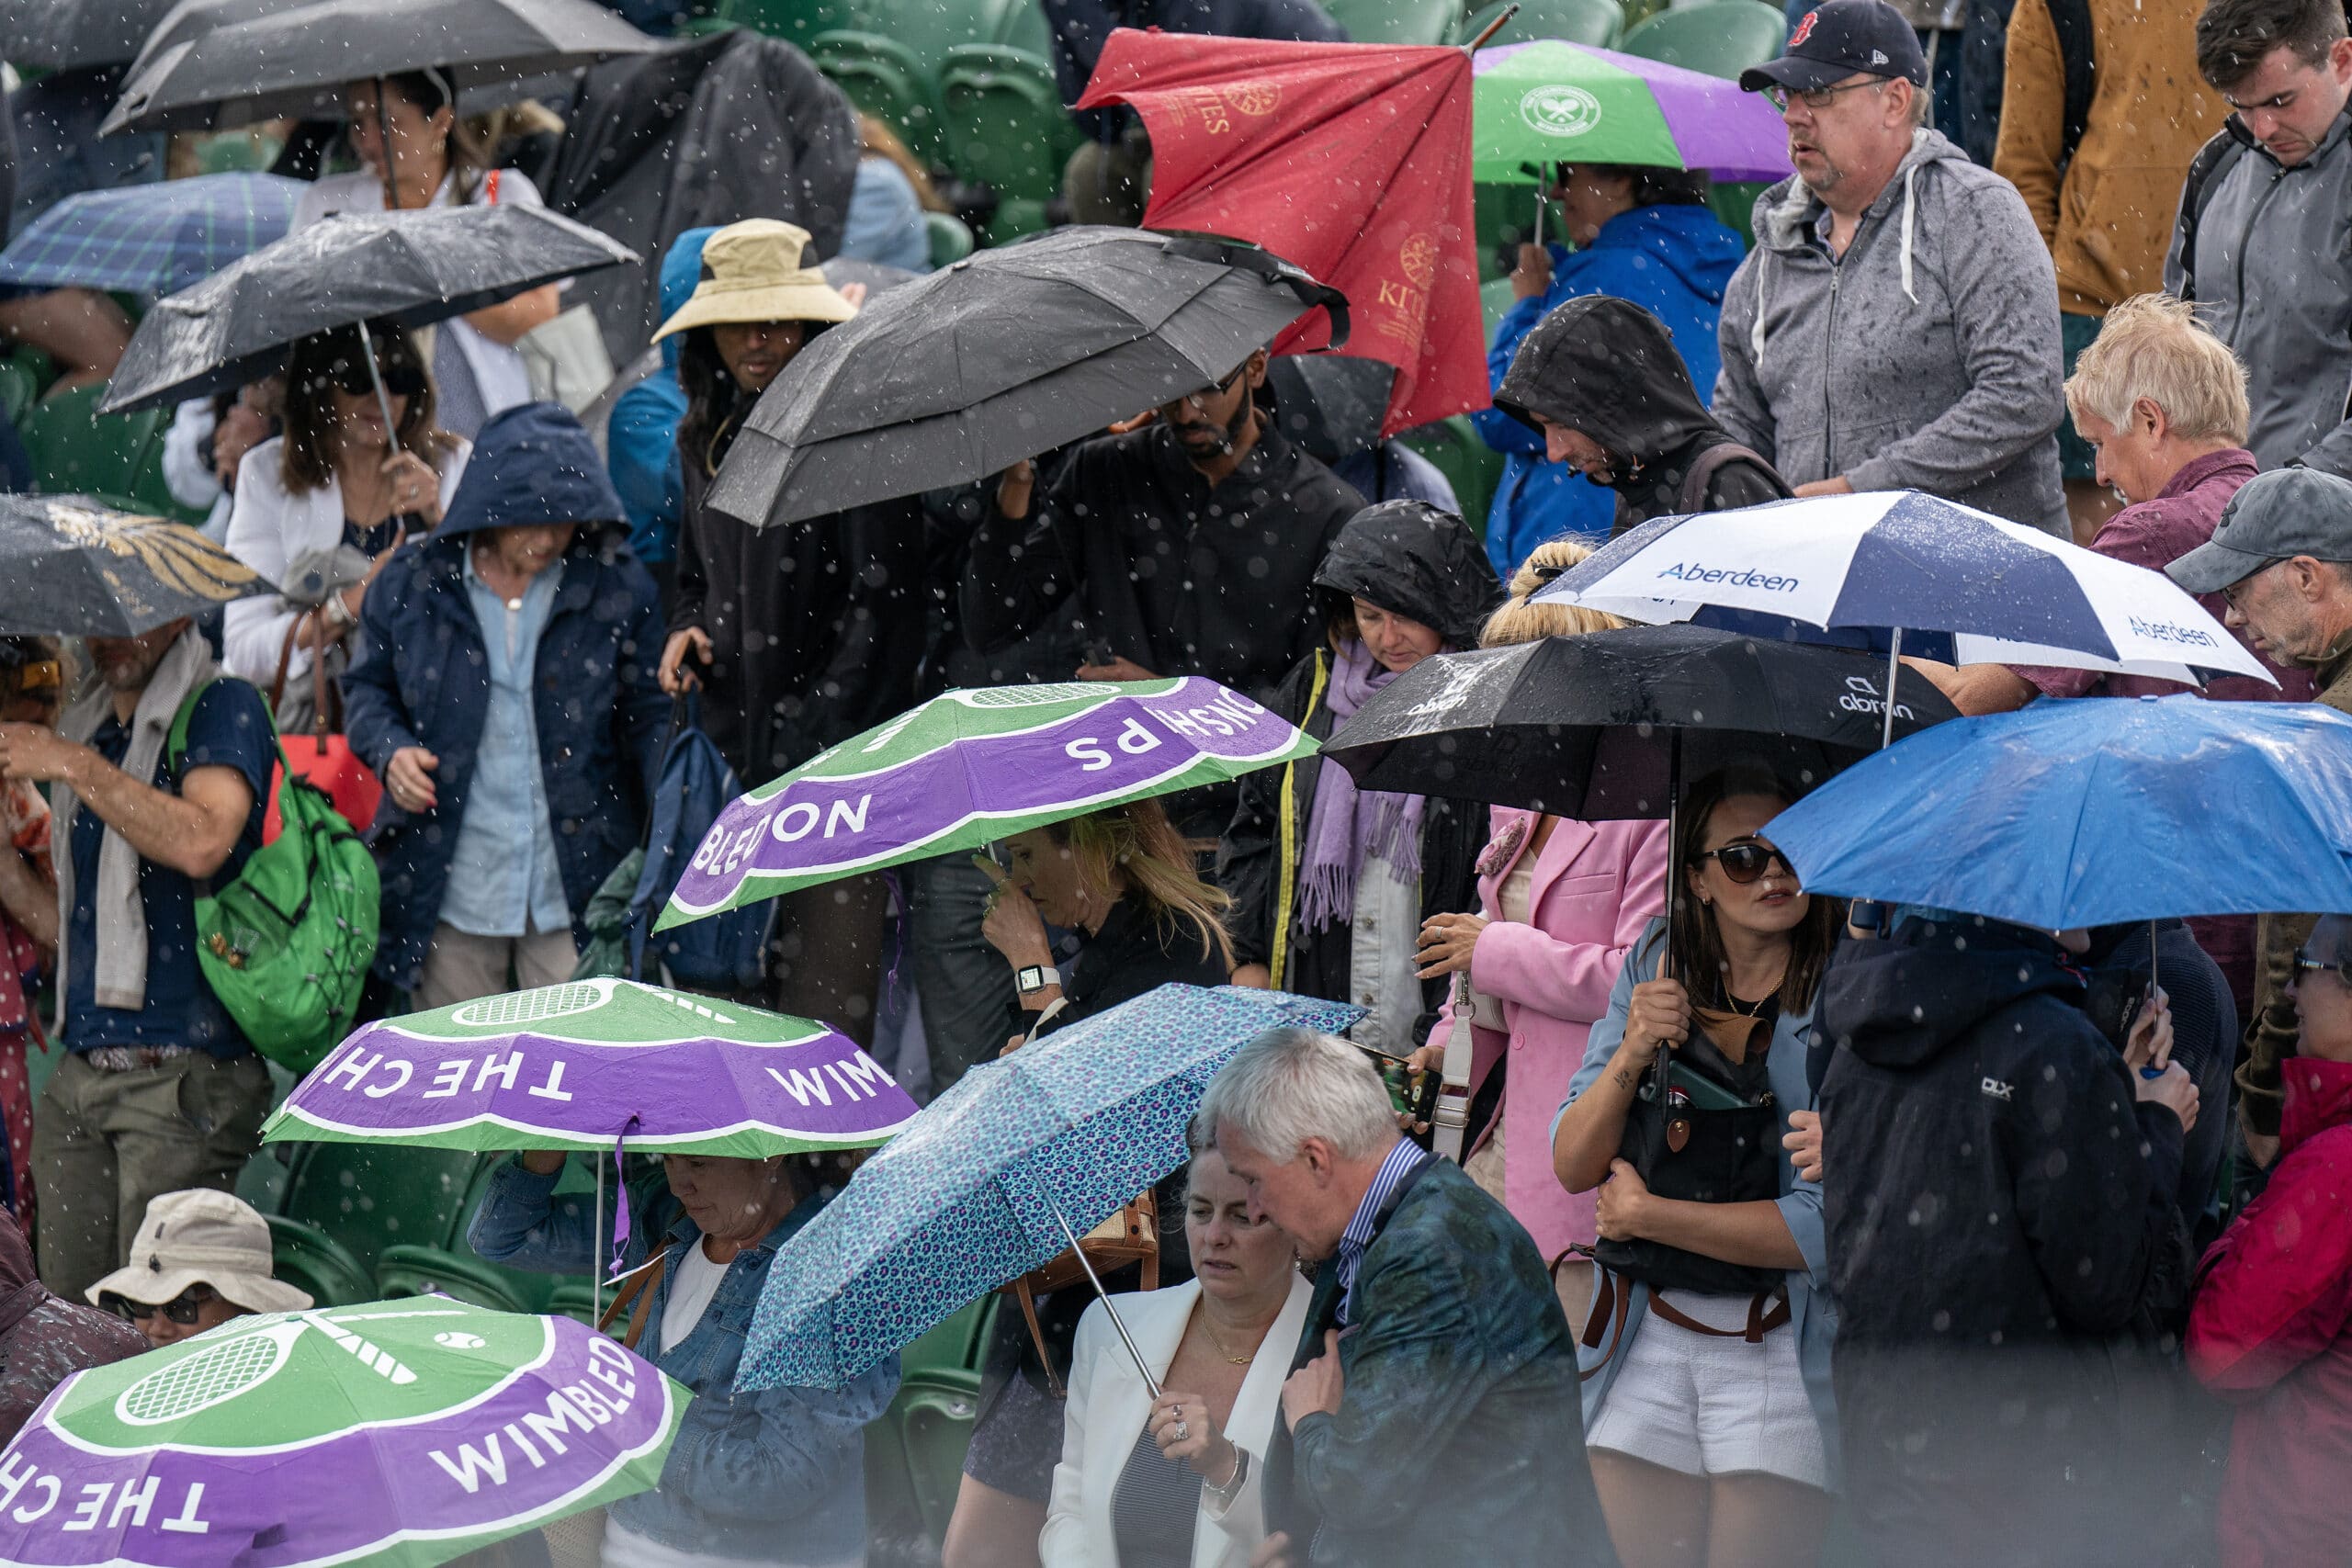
(150, 239)
(572, 1066)
(72, 35)
(1963, 585)
(296, 62)
(405, 268)
(1553, 102)
(397, 1432)
(1000, 356)
(1351, 159)
(1583, 726)
(976, 1191)
(967, 768)
(75, 567)
(2094, 812)
(177, 24)
(1329, 406)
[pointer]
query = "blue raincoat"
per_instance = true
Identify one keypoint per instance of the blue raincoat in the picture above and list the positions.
(643, 434)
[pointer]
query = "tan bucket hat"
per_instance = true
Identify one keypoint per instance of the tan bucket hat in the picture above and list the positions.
(751, 272)
(201, 1237)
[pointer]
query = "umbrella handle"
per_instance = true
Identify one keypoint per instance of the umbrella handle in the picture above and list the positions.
(383, 399)
(1151, 1383)
(1476, 44)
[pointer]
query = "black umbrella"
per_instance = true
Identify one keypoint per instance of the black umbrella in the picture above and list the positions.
(1002, 355)
(408, 268)
(1332, 406)
(1587, 726)
(296, 62)
(78, 567)
(71, 35)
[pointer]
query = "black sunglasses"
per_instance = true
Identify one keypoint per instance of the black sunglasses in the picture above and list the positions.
(1748, 860)
(400, 380)
(181, 1309)
(2306, 963)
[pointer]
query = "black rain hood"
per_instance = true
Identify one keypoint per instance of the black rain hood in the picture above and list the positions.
(1608, 368)
(1416, 560)
(1899, 1004)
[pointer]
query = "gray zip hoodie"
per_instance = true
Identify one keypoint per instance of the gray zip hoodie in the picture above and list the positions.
(1927, 358)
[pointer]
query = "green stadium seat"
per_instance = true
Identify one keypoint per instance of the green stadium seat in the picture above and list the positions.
(914, 1455)
(1022, 24)
(574, 1299)
(1722, 39)
(311, 1261)
(1396, 21)
(951, 237)
(1495, 301)
(1012, 219)
(370, 1197)
(795, 21)
(1599, 23)
(1006, 128)
(1735, 205)
(406, 1270)
(883, 78)
(76, 450)
(1469, 465)
(18, 390)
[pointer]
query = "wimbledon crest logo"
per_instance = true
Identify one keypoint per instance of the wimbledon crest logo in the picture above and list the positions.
(1557, 110)
(1418, 257)
(1254, 98)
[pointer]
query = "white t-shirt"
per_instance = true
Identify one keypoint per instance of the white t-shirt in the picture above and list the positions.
(692, 1285)
(499, 379)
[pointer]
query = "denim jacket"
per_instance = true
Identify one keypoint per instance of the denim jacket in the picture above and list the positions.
(777, 1476)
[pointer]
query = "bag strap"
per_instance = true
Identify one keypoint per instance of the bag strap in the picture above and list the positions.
(175, 742)
(1760, 1321)
(2078, 64)
(635, 1295)
(2212, 161)
(1613, 1303)
(1028, 1300)
(1712, 462)
(490, 188)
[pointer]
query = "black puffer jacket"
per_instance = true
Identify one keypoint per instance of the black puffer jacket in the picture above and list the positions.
(1608, 368)
(2000, 1217)
(1409, 556)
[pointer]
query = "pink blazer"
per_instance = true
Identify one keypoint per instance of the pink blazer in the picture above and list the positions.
(1595, 885)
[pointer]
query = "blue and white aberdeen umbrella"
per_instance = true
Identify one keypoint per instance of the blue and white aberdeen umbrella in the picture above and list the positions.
(1912, 573)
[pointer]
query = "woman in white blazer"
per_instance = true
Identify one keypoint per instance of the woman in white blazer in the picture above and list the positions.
(329, 480)
(1145, 1483)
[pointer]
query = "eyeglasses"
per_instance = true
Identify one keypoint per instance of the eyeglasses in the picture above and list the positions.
(1817, 98)
(1200, 400)
(2306, 963)
(181, 1309)
(1748, 860)
(400, 380)
(2230, 594)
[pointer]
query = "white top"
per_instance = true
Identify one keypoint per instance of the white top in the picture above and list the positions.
(692, 1285)
(1382, 946)
(499, 379)
(1512, 897)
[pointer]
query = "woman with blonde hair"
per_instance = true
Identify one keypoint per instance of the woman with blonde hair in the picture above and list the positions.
(1560, 903)
(1126, 884)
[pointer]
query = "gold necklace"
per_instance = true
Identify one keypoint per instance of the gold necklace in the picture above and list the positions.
(1218, 1340)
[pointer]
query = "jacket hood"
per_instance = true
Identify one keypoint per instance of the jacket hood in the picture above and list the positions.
(2318, 1096)
(532, 463)
(1608, 368)
(681, 270)
(1899, 1002)
(1686, 238)
(1411, 558)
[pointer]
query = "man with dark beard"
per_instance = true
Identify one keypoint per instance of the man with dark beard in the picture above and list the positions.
(1190, 544)
(159, 1090)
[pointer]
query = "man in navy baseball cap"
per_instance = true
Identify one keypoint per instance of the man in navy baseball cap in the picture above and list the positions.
(1838, 39)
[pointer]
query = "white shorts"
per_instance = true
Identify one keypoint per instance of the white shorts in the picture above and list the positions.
(1705, 1406)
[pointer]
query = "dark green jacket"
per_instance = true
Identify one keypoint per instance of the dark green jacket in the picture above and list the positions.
(1460, 1437)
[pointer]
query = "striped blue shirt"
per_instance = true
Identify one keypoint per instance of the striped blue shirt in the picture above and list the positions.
(1400, 1163)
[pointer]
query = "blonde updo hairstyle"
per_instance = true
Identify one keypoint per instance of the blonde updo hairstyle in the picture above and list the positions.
(1521, 621)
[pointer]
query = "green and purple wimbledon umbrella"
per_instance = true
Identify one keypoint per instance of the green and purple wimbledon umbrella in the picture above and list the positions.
(1553, 101)
(401, 1432)
(971, 767)
(576, 1065)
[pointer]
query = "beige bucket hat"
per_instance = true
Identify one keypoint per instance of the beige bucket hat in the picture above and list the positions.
(751, 272)
(201, 1237)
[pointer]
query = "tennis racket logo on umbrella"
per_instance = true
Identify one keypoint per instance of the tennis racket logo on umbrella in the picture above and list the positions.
(240, 1365)
(177, 556)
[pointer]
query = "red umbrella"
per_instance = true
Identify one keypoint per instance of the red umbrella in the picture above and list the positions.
(1351, 160)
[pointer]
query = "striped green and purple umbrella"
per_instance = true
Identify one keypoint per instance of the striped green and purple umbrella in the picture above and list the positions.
(395, 1434)
(1553, 101)
(968, 768)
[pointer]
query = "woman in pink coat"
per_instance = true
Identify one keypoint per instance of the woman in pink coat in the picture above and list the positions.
(1560, 902)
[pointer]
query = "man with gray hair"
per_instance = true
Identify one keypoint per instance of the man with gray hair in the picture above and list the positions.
(1435, 1366)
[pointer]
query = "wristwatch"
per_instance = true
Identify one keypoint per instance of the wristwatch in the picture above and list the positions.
(1036, 977)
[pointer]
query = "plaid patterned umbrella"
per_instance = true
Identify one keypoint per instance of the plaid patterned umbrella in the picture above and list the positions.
(150, 239)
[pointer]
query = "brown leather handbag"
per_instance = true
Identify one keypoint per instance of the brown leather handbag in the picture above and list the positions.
(1129, 1235)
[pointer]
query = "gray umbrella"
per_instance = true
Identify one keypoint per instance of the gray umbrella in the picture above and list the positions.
(1329, 405)
(296, 62)
(71, 35)
(408, 268)
(1006, 354)
(76, 566)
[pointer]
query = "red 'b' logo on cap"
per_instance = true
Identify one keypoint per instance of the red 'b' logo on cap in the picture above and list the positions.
(1805, 29)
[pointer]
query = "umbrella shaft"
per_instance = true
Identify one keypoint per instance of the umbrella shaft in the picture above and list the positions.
(1150, 1382)
(1893, 666)
(383, 399)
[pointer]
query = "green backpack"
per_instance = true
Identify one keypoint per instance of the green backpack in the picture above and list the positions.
(286, 945)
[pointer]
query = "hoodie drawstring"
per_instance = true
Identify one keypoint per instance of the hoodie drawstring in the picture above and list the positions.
(1755, 328)
(1910, 210)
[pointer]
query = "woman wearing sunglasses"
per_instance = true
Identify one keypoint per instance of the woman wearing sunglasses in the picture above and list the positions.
(1707, 1404)
(334, 479)
(200, 1258)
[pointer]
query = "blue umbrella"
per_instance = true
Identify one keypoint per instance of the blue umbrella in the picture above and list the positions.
(2092, 812)
(150, 239)
(997, 1175)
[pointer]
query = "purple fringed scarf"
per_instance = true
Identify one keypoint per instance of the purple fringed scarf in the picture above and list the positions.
(1349, 823)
